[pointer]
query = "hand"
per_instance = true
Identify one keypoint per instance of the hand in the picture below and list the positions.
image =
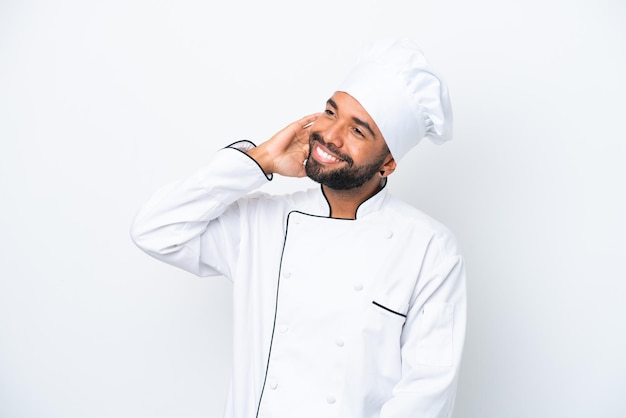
(285, 152)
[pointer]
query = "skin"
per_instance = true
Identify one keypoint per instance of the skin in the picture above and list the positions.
(349, 132)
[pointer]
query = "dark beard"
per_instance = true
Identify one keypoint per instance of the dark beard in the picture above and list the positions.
(345, 178)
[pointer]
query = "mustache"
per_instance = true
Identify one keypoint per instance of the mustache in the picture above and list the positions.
(316, 137)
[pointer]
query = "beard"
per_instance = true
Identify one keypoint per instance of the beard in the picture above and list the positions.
(347, 177)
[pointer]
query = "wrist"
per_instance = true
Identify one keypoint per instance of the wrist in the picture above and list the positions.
(263, 159)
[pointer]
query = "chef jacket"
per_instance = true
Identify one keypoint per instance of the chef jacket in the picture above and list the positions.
(342, 318)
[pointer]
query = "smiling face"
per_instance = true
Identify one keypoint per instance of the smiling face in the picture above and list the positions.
(347, 149)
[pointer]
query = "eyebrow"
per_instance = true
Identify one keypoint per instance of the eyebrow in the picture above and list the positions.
(356, 120)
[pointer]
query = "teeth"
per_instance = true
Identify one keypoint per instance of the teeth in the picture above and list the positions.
(326, 155)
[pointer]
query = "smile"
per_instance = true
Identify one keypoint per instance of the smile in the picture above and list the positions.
(324, 156)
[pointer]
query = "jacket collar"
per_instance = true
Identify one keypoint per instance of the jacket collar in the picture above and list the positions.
(368, 206)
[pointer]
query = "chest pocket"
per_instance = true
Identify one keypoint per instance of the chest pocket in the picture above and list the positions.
(387, 310)
(386, 314)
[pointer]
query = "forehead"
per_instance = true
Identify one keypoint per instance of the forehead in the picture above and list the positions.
(349, 107)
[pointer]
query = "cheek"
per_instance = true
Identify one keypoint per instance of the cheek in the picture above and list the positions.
(366, 154)
(361, 152)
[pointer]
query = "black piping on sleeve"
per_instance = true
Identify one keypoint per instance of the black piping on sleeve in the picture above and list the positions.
(244, 146)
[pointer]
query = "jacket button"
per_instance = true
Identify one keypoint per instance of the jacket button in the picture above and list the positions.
(331, 399)
(287, 274)
(339, 342)
(388, 234)
(283, 329)
(273, 384)
(358, 287)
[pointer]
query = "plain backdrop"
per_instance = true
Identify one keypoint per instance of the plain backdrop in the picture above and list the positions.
(103, 102)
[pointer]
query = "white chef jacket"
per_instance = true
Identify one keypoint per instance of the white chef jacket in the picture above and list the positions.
(341, 318)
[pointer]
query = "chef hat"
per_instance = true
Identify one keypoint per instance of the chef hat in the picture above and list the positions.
(401, 92)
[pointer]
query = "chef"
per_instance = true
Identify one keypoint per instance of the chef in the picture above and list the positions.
(348, 303)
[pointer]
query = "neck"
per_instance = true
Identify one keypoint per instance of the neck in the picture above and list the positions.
(344, 203)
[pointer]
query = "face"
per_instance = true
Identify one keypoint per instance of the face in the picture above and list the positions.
(346, 147)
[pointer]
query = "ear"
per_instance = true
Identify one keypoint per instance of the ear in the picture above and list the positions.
(388, 167)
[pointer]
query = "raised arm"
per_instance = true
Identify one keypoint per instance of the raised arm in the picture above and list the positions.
(194, 224)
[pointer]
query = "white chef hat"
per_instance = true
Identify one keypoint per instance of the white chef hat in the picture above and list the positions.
(401, 92)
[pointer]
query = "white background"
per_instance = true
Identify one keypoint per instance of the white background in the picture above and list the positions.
(103, 102)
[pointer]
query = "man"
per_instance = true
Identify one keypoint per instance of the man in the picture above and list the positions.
(347, 302)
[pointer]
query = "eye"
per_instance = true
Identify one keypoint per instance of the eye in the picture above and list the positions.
(358, 131)
(330, 112)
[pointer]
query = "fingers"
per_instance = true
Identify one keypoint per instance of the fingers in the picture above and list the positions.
(308, 120)
(301, 127)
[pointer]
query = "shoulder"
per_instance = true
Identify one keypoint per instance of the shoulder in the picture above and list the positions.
(420, 224)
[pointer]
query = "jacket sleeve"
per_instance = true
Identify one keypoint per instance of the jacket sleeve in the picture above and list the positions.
(432, 339)
(195, 224)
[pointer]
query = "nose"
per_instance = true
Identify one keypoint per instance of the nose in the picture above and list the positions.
(332, 133)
